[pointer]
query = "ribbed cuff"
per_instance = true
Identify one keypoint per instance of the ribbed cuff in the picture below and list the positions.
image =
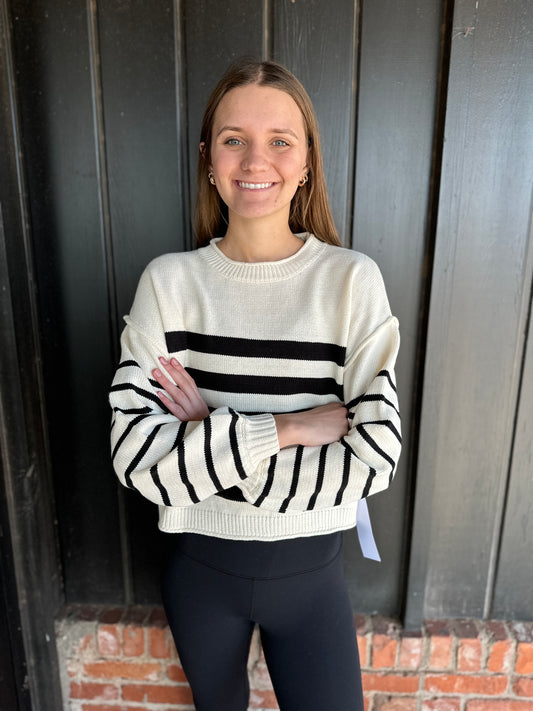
(260, 438)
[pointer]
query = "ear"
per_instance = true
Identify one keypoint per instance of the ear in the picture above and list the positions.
(202, 148)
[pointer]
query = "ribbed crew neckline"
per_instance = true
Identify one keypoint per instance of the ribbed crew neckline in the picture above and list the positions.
(257, 272)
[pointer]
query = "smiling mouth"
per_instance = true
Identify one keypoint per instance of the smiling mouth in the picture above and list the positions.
(254, 186)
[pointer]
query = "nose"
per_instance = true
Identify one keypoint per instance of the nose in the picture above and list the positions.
(255, 158)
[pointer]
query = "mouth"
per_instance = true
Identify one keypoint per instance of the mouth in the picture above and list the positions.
(254, 186)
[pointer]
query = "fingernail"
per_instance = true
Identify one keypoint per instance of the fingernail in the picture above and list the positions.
(163, 360)
(174, 362)
(157, 372)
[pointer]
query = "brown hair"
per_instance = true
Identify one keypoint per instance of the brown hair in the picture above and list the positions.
(310, 210)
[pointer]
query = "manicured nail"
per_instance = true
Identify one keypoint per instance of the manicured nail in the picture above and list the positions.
(163, 360)
(157, 372)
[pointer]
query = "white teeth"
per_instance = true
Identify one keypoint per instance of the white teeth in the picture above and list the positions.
(254, 186)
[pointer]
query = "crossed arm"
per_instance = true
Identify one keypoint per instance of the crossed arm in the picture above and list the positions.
(320, 425)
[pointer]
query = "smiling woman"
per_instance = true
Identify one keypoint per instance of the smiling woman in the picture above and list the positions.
(255, 403)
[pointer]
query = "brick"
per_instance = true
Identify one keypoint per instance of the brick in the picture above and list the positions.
(500, 656)
(123, 670)
(469, 655)
(362, 624)
(95, 692)
(496, 630)
(394, 703)
(437, 628)
(136, 615)
(100, 707)
(176, 673)
(133, 641)
(265, 700)
(440, 656)
(383, 651)
(158, 618)
(465, 684)
(441, 705)
(362, 644)
(524, 658)
(411, 652)
(465, 629)
(160, 642)
(522, 631)
(108, 640)
(503, 705)
(157, 694)
(523, 687)
(111, 615)
(392, 683)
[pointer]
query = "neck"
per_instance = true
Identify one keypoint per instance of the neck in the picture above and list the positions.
(258, 240)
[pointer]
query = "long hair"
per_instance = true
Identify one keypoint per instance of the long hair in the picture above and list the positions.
(309, 211)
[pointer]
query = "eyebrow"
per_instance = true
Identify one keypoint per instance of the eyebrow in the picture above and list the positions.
(239, 129)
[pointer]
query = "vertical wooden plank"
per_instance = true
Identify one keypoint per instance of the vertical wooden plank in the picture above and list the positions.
(147, 199)
(398, 77)
(481, 282)
(316, 41)
(30, 577)
(53, 61)
(512, 595)
(138, 72)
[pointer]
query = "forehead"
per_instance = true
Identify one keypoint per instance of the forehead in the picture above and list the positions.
(262, 106)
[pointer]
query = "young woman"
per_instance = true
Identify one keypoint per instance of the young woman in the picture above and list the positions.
(255, 404)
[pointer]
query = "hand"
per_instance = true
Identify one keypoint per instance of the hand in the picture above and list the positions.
(183, 399)
(313, 428)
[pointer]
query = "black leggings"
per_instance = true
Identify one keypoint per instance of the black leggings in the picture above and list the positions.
(215, 590)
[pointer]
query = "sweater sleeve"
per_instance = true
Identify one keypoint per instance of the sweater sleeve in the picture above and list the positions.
(364, 461)
(171, 462)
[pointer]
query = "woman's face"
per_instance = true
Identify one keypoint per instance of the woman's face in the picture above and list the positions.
(258, 151)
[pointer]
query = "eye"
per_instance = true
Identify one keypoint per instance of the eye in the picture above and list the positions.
(233, 142)
(280, 142)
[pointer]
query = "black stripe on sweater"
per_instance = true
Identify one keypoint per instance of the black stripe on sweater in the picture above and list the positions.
(295, 478)
(375, 446)
(386, 374)
(157, 481)
(182, 469)
(265, 385)
(319, 478)
(371, 398)
(345, 474)
(140, 454)
(140, 391)
(254, 347)
(209, 456)
(269, 481)
(234, 444)
(386, 423)
(370, 479)
(131, 425)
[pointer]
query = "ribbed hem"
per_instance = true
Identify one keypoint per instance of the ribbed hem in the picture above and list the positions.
(260, 438)
(258, 272)
(242, 526)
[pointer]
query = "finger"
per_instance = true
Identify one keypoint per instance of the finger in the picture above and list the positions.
(180, 376)
(165, 383)
(175, 408)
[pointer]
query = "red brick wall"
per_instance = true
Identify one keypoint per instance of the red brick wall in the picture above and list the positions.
(116, 660)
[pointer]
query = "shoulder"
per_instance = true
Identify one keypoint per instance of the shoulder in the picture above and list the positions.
(351, 263)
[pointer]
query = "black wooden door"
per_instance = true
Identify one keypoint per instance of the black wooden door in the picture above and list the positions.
(110, 99)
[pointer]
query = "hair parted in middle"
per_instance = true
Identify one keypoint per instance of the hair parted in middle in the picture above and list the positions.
(310, 211)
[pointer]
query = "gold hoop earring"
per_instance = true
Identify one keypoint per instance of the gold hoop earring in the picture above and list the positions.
(303, 180)
(211, 178)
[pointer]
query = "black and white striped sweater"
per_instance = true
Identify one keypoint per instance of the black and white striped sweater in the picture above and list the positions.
(259, 339)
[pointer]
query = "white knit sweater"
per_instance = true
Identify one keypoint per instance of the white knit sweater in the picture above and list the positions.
(259, 339)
